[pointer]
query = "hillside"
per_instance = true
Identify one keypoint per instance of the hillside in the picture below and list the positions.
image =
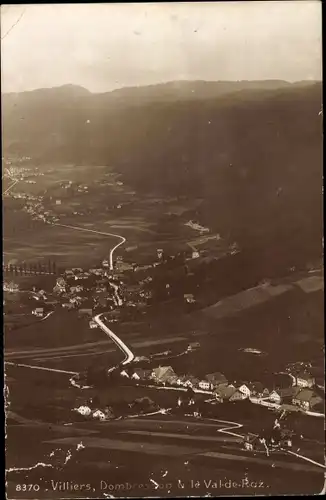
(252, 151)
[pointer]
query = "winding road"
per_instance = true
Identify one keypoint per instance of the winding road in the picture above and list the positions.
(77, 228)
(129, 356)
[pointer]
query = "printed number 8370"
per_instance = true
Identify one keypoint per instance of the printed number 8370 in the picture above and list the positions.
(27, 487)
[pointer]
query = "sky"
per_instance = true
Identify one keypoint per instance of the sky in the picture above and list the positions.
(107, 46)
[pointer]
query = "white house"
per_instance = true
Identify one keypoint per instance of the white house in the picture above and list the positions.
(189, 298)
(187, 383)
(39, 312)
(244, 389)
(10, 287)
(180, 381)
(304, 379)
(99, 414)
(105, 263)
(159, 253)
(204, 385)
(275, 397)
(84, 410)
(195, 254)
(93, 324)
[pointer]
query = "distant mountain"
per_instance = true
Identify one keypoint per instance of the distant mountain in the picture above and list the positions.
(69, 90)
(251, 150)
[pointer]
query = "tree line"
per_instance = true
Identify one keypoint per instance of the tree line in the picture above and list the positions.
(35, 268)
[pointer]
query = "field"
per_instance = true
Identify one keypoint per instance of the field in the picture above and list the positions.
(147, 222)
(65, 342)
(285, 329)
(31, 244)
(150, 456)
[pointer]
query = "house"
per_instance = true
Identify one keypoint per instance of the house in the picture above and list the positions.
(147, 374)
(195, 254)
(280, 438)
(93, 324)
(181, 380)
(193, 346)
(204, 385)
(105, 263)
(97, 272)
(68, 273)
(173, 380)
(275, 397)
(162, 373)
(252, 442)
(304, 379)
(99, 415)
(76, 289)
(75, 300)
(85, 312)
(68, 305)
(159, 253)
(60, 283)
(238, 396)
(193, 382)
(124, 266)
(39, 312)
(225, 392)
(257, 389)
(189, 298)
(216, 379)
(141, 374)
(82, 276)
(307, 399)
(284, 395)
(77, 270)
(244, 389)
(84, 410)
(10, 287)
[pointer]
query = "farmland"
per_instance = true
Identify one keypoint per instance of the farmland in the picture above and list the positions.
(260, 329)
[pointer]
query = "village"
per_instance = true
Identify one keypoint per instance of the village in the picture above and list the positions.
(303, 395)
(121, 296)
(215, 387)
(126, 293)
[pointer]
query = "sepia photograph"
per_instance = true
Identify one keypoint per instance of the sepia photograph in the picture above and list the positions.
(163, 281)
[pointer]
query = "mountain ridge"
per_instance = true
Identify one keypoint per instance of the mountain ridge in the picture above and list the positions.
(171, 83)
